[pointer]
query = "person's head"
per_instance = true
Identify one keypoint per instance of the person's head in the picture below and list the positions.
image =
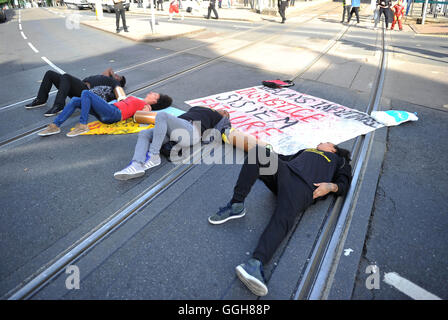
(223, 113)
(331, 147)
(120, 79)
(158, 100)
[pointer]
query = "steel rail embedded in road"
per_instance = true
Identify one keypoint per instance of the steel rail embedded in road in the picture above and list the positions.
(317, 278)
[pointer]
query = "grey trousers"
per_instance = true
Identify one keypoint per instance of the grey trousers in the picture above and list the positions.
(165, 130)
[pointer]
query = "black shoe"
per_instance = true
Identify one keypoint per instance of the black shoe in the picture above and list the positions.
(118, 30)
(126, 30)
(53, 111)
(35, 104)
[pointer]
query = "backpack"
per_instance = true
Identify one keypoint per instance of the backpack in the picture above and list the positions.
(277, 83)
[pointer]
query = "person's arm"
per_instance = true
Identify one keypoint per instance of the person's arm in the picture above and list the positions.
(108, 72)
(340, 183)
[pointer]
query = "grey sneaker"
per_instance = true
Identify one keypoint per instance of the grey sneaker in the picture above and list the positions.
(231, 211)
(251, 274)
(133, 170)
(152, 160)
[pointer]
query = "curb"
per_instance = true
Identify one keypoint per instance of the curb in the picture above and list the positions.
(145, 38)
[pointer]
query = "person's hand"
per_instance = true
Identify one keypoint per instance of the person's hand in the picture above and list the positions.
(147, 108)
(324, 188)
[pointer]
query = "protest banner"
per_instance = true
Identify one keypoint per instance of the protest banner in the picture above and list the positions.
(289, 120)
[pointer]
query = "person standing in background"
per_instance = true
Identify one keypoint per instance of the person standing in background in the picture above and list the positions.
(282, 4)
(212, 7)
(346, 6)
(120, 11)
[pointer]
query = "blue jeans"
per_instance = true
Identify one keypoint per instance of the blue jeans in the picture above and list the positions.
(89, 103)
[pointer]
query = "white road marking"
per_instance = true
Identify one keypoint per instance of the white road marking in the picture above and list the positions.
(23, 35)
(32, 47)
(408, 288)
(20, 26)
(53, 65)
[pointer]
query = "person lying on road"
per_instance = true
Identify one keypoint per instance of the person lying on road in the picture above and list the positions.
(105, 112)
(149, 142)
(299, 180)
(70, 86)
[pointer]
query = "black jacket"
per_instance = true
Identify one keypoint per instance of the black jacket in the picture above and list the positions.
(315, 166)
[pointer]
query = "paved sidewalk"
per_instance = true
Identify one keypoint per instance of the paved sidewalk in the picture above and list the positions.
(140, 28)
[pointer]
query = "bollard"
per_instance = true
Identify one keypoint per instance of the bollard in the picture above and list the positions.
(98, 10)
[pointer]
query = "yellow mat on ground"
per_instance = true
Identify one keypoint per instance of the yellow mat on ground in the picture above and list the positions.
(122, 127)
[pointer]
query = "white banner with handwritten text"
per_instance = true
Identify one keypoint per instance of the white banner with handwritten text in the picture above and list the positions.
(287, 119)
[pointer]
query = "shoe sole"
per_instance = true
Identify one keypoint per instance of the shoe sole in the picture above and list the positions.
(236, 216)
(127, 176)
(152, 166)
(75, 135)
(252, 283)
(32, 107)
(52, 114)
(48, 134)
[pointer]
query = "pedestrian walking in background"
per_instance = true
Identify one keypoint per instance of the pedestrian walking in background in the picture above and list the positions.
(282, 4)
(298, 181)
(346, 6)
(120, 11)
(211, 7)
(384, 8)
(160, 2)
(174, 8)
(355, 9)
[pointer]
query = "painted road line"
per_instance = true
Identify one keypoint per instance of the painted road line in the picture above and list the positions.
(23, 101)
(20, 26)
(408, 288)
(32, 47)
(23, 35)
(53, 65)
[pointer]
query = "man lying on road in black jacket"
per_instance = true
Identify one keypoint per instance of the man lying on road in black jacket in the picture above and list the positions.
(298, 180)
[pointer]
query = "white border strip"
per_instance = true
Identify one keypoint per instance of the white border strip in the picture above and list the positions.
(408, 288)
(23, 35)
(53, 65)
(32, 47)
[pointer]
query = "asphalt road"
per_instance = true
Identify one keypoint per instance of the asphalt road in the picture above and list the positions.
(56, 189)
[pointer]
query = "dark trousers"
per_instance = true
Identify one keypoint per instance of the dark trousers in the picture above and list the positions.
(344, 10)
(282, 9)
(67, 85)
(384, 11)
(293, 197)
(210, 8)
(120, 11)
(356, 11)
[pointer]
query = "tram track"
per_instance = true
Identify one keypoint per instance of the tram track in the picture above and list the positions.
(316, 280)
(45, 274)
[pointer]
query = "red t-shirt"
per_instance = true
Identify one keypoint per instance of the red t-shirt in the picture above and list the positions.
(129, 106)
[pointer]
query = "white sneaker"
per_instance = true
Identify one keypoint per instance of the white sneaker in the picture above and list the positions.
(152, 160)
(133, 170)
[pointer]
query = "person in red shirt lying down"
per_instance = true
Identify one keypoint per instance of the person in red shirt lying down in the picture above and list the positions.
(105, 112)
